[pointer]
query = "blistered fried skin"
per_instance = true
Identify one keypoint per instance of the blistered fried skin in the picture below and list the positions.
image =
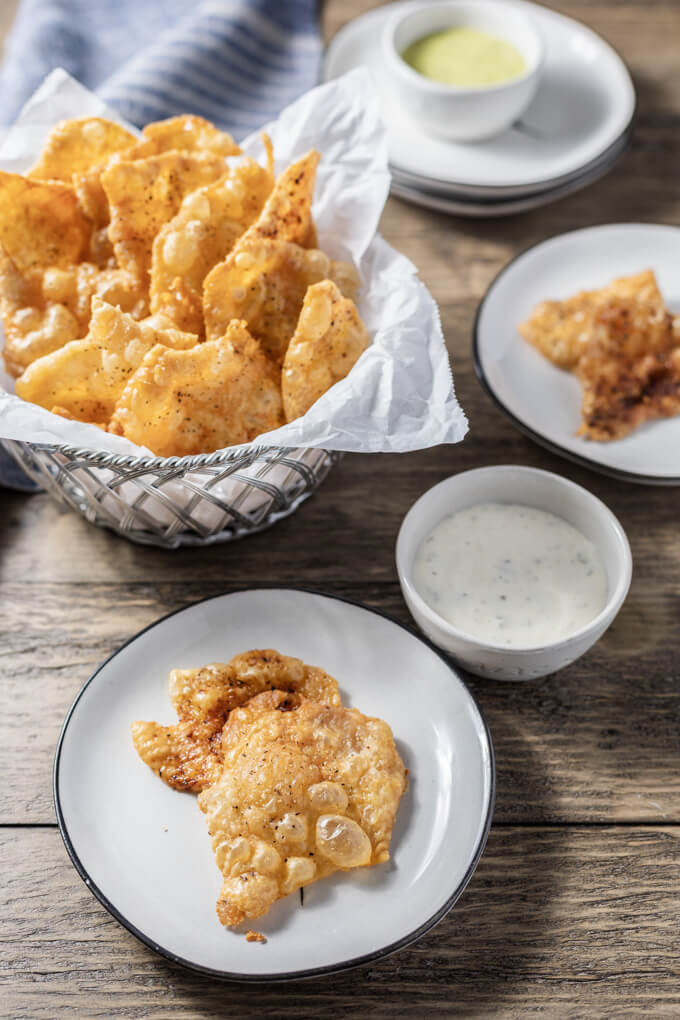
(94, 203)
(203, 232)
(86, 377)
(561, 330)
(264, 283)
(77, 152)
(305, 790)
(74, 146)
(630, 369)
(43, 309)
(144, 194)
(287, 214)
(188, 755)
(220, 393)
(41, 223)
(329, 339)
(184, 134)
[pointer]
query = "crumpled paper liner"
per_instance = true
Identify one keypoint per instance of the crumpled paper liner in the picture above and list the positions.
(399, 396)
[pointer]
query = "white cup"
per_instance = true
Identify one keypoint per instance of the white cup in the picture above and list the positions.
(461, 113)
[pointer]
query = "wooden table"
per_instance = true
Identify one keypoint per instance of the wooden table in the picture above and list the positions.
(573, 911)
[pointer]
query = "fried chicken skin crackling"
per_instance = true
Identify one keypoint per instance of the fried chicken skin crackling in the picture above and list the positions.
(188, 756)
(305, 790)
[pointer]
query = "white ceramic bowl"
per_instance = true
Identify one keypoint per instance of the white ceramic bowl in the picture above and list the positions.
(456, 112)
(509, 483)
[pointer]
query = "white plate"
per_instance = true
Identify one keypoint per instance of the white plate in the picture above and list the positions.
(584, 103)
(540, 398)
(594, 169)
(144, 851)
(486, 208)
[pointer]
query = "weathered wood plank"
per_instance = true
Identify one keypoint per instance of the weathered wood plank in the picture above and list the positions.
(561, 922)
(596, 742)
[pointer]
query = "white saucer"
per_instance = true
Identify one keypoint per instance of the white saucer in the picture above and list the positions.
(584, 104)
(461, 205)
(144, 850)
(541, 399)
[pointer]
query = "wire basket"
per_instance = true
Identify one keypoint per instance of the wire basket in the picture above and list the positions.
(177, 501)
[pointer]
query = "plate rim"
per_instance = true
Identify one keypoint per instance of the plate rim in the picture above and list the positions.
(275, 978)
(549, 12)
(496, 208)
(608, 158)
(621, 474)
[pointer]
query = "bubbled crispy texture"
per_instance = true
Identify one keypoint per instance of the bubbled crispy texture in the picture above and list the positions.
(287, 214)
(630, 369)
(623, 346)
(145, 194)
(328, 340)
(86, 377)
(74, 146)
(44, 308)
(561, 330)
(203, 233)
(149, 225)
(264, 282)
(305, 790)
(185, 133)
(41, 223)
(188, 755)
(219, 393)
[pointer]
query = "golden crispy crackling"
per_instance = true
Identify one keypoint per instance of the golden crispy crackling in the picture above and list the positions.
(94, 203)
(328, 340)
(144, 194)
(305, 790)
(630, 369)
(561, 330)
(287, 214)
(41, 223)
(188, 755)
(86, 377)
(185, 133)
(219, 393)
(44, 308)
(74, 146)
(623, 346)
(264, 282)
(208, 224)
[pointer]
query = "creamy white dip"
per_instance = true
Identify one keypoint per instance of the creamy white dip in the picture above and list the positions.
(510, 575)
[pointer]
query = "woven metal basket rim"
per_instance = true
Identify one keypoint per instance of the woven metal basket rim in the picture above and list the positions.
(102, 459)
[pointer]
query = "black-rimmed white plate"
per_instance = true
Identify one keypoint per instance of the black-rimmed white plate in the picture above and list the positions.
(545, 401)
(144, 851)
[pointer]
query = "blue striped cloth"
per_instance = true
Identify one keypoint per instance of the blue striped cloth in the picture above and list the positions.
(236, 62)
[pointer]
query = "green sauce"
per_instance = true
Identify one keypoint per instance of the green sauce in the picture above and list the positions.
(465, 56)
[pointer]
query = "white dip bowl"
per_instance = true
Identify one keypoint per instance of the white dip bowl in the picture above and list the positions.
(461, 113)
(526, 486)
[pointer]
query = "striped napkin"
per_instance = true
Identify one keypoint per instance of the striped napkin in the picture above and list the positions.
(236, 62)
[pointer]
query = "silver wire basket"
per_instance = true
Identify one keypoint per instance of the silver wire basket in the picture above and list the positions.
(176, 501)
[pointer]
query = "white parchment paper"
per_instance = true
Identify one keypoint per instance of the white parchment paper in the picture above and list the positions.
(399, 396)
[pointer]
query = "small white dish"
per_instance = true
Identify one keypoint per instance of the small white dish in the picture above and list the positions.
(541, 399)
(144, 850)
(454, 112)
(508, 483)
(584, 104)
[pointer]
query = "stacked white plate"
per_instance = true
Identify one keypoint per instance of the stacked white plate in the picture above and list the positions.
(575, 130)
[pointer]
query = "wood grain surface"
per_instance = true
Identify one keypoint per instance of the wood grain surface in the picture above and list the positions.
(573, 911)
